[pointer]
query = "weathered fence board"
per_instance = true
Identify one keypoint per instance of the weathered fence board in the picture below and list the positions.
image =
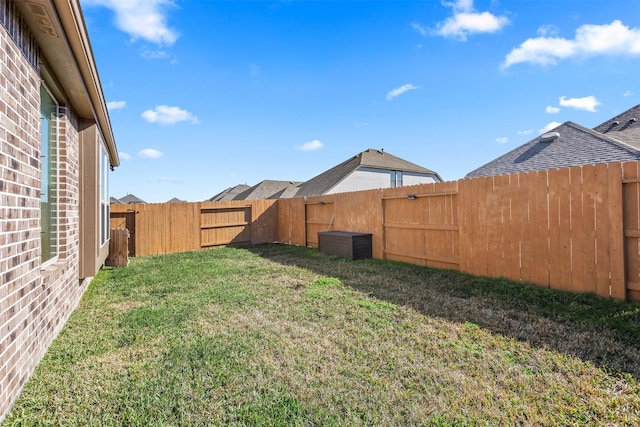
(118, 248)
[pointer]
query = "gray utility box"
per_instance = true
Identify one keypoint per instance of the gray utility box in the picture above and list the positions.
(345, 244)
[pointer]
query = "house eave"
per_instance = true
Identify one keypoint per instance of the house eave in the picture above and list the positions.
(59, 28)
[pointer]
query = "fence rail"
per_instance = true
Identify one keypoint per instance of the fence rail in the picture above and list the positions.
(575, 229)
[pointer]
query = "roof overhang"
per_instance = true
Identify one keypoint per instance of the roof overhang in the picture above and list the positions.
(59, 28)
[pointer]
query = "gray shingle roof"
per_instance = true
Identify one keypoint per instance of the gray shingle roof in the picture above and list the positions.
(575, 145)
(371, 158)
(268, 189)
(624, 127)
(130, 198)
(229, 193)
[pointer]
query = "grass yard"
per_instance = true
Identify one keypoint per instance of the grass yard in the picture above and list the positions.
(279, 335)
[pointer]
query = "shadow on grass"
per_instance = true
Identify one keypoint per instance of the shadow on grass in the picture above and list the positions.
(602, 331)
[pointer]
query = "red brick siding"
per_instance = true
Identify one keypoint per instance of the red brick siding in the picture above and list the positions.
(34, 302)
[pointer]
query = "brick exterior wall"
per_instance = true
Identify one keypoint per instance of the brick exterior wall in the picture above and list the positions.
(35, 302)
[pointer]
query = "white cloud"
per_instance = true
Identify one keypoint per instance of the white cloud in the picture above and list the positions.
(588, 103)
(399, 91)
(552, 110)
(525, 132)
(502, 140)
(459, 5)
(166, 115)
(311, 145)
(627, 93)
(466, 20)
(548, 30)
(151, 54)
(141, 19)
(150, 153)
(549, 126)
(116, 105)
(124, 156)
(419, 28)
(590, 40)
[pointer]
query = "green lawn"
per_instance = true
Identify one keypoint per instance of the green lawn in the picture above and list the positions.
(279, 335)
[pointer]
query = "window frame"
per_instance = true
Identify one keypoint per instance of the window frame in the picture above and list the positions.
(49, 177)
(104, 196)
(396, 178)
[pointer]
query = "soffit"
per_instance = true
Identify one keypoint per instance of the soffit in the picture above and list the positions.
(60, 31)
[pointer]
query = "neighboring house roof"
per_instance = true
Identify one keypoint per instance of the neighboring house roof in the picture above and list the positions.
(229, 193)
(269, 189)
(62, 35)
(130, 198)
(115, 201)
(175, 200)
(567, 145)
(371, 158)
(624, 127)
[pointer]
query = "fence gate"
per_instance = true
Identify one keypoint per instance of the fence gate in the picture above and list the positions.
(422, 229)
(126, 220)
(225, 226)
(318, 217)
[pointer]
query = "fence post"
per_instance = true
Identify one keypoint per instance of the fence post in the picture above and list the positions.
(118, 248)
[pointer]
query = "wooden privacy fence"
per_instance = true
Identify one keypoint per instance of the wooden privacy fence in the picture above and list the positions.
(560, 228)
(576, 228)
(177, 227)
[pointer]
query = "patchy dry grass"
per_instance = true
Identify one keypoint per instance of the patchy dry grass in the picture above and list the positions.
(278, 335)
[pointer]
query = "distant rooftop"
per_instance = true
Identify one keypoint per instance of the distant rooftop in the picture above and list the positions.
(372, 158)
(624, 127)
(570, 144)
(131, 199)
(269, 189)
(229, 193)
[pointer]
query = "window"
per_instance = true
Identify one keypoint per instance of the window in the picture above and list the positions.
(104, 196)
(396, 179)
(49, 181)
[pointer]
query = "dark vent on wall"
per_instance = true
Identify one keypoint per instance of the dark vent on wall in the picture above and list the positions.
(17, 29)
(42, 19)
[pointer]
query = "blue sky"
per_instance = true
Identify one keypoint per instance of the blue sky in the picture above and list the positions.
(204, 95)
